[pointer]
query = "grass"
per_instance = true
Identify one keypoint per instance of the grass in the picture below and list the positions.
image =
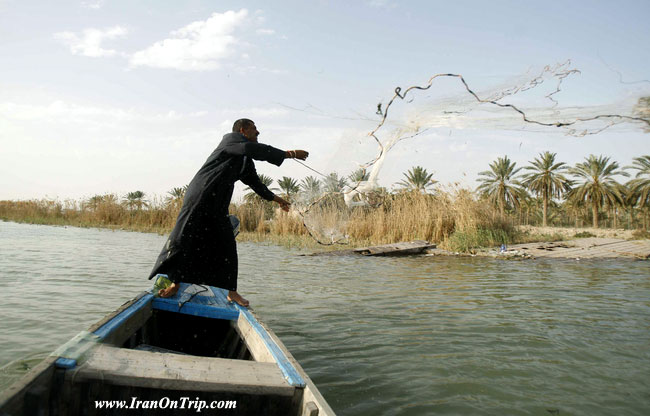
(641, 235)
(454, 218)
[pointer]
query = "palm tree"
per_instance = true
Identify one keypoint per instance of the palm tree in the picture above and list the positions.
(94, 202)
(252, 196)
(499, 184)
(639, 187)
(289, 186)
(417, 178)
(311, 188)
(359, 175)
(597, 186)
(333, 183)
(546, 180)
(135, 200)
(641, 182)
(175, 196)
(177, 193)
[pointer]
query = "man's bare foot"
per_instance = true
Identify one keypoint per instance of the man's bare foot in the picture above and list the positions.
(233, 296)
(170, 291)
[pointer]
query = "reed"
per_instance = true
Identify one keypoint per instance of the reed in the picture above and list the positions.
(104, 212)
(453, 218)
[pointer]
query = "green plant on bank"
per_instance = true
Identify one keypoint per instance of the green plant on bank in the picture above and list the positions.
(289, 186)
(499, 185)
(546, 179)
(310, 189)
(583, 234)
(452, 217)
(596, 184)
(641, 235)
(640, 185)
(334, 183)
(467, 241)
(135, 200)
(358, 175)
(175, 196)
(417, 178)
(251, 196)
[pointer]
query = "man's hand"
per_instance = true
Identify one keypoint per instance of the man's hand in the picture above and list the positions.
(297, 154)
(283, 204)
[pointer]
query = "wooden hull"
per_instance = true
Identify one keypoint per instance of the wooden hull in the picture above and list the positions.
(170, 356)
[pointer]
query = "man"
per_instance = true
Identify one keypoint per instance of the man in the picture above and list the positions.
(201, 248)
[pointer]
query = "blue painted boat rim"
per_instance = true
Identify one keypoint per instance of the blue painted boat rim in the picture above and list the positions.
(83, 340)
(290, 373)
(110, 326)
(192, 307)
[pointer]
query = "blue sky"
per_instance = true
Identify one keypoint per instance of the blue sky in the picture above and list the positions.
(115, 96)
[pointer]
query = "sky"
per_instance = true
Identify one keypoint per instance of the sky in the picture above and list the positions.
(103, 96)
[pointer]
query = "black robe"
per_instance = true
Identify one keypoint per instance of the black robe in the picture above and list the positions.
(201, 248)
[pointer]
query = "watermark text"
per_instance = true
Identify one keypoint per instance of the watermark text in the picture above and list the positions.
(196, 404)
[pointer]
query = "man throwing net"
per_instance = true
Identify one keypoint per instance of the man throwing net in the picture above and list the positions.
(201, 248)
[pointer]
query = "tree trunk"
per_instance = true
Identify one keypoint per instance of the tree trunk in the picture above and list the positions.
(545, 208)
(630, 219)
(594, 211)
(615, 221)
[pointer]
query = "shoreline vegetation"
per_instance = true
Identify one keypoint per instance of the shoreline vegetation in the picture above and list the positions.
(458, 220)
(506, 207)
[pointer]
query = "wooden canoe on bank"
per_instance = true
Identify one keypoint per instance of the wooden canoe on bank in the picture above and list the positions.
(193, 348)
(394, 249)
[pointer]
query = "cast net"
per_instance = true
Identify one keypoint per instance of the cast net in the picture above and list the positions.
(446, 102)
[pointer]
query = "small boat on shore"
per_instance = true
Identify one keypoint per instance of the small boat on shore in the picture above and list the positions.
(194, 352)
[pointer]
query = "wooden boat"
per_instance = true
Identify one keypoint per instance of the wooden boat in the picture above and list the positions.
(192, 353)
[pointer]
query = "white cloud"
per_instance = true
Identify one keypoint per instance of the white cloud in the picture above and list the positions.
(265, 32)
(61, 112)
(388, 4)
(199, 46)
(92, 4)
(457, 147)
(89, 42)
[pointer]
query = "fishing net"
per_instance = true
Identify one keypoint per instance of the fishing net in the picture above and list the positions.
(446, 102)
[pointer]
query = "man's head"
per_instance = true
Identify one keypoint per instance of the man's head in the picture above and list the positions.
(247, 128)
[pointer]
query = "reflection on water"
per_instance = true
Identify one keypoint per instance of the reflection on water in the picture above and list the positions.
(379, 336)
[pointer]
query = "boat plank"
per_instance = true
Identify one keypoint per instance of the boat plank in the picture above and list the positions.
(180, 372)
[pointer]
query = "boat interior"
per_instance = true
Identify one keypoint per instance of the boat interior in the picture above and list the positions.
(169, 356)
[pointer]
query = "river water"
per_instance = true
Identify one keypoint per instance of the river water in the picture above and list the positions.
(379, 336)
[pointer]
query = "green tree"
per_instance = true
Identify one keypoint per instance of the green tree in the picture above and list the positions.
(135, 200)
(641, 182)
(639, 187)
(94, 201)
(417, 178)
(546, 179)
(333, 183)
(176, 195)
(596, 184)
(289, 186)
(252, 196)
(311, 188)
(499, 185)
(358, 175)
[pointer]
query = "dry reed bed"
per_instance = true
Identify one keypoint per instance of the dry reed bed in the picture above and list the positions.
(455, 219)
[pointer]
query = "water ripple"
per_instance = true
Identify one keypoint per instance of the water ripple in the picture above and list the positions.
(381, 336)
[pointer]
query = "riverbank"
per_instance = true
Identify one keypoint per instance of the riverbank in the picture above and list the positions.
(456, 222)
